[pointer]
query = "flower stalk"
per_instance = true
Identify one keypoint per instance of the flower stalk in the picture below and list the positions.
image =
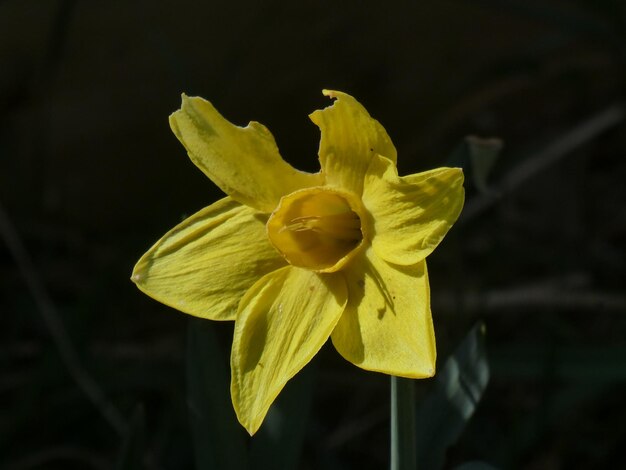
(403, 452)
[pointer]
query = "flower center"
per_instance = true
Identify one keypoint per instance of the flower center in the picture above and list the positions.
(317, 228)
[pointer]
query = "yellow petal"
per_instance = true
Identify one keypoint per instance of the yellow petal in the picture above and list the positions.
(350, 138)
(205, 264)
(411, 214)
(387, 325)
(283, 321)
(243, 161)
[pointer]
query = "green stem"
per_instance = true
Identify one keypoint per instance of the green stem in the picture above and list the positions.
(403, 454)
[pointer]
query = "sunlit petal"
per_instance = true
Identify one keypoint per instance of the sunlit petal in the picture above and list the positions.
(283, 320)
(243, 161)
(411, 214)
(205, 264)
(387, 325)
(349, 140)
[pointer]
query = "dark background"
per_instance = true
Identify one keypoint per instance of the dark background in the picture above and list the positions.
(91, 176)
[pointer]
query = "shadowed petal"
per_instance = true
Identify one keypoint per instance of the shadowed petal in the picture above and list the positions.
(243, 161)
(387, 325)
(283, 321)
(411, 214)
(205, 264)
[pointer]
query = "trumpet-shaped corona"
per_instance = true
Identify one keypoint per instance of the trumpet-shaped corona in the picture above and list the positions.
(317, 228)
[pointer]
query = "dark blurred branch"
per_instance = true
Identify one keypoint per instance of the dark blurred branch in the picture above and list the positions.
(534, 298)
(56, 42)
(57, 455)
(564, 18)
(560, 148)
(55, 326)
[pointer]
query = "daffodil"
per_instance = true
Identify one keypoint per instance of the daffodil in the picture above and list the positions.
(295, 258)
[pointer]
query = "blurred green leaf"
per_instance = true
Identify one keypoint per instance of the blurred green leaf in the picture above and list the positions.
(483, 154)
(477, 157)
(131, 453)
(458, 387)
(278, 444)
(219, 440)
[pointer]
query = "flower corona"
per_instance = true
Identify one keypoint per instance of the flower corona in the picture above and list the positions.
(317, 228)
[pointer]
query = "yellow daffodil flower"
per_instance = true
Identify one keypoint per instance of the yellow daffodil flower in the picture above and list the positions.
(295, 258)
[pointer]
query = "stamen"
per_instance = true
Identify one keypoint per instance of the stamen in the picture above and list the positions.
(346, 226)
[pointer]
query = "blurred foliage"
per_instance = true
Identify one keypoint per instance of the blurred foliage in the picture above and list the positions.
(445, 411)
(90, 175)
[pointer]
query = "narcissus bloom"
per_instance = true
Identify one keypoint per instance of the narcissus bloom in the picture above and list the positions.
(295, 258)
